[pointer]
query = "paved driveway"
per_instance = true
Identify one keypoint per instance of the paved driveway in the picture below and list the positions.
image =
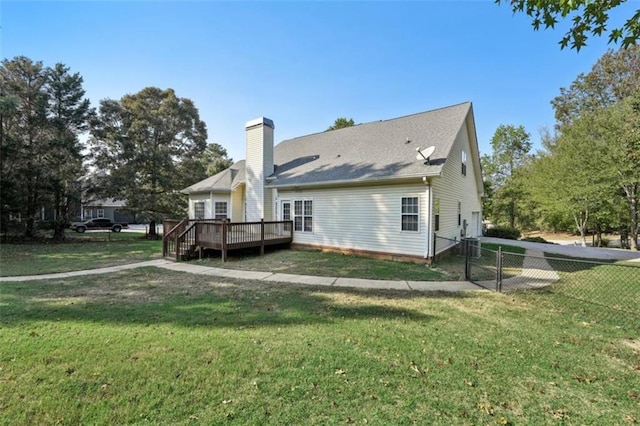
(133, 227)
(570, 250)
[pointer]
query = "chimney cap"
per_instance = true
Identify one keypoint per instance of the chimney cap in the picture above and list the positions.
(262, 121)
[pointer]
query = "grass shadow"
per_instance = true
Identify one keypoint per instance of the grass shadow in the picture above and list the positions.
(153, 296)
(319, 263)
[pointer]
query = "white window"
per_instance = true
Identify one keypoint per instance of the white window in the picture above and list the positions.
(286, 210)
(88, 214)
(220, 209)
(464, 163)
(286, 214)
(303, 215)
(198, 210)
(410, 213)
(100, 213)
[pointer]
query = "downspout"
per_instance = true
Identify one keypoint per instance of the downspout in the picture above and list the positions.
(211, 210)
(428, 191)
(276, 208)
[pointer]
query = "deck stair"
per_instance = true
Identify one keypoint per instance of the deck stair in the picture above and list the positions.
(185, 237)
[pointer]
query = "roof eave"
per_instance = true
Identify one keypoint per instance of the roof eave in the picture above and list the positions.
(204, 190)
(354, 182)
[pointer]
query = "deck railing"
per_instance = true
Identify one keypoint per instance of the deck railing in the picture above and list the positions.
(186, 241)
(172, 228)
(224, 235)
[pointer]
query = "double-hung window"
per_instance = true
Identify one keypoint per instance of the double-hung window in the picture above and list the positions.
(198, 210)
(100, 212)
(410, 213)
(303, 215)
(220, 210)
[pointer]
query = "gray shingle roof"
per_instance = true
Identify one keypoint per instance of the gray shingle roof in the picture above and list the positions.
(221, 182)
(380, 150)
(104, 202)
(372, 151)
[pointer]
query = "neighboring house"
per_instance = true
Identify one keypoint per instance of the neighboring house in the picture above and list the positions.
(109, 208)
(362, 189)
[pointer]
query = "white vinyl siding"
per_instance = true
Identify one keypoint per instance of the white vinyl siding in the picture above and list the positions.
(363, 218)
(259, 165)
(237, 204)
(453, 187)
(268, 204)
(205, 204)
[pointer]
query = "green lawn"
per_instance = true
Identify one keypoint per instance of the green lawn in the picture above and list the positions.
(483, 268)
(315, 262)
(154, 346)
(505, 248)
(100, 249)
(90, 250)
(599, 283)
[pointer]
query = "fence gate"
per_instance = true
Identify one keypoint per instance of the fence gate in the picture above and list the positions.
(482, 266)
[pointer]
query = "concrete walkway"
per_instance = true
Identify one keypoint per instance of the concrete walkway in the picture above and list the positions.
(536, 273)
(265, 276)
(570, 250)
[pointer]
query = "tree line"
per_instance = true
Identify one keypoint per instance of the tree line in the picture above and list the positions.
(56, 151)
(587, 176)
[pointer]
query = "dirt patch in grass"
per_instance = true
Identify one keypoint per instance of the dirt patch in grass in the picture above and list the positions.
(137, 287)
(552, 236)
(145, 285)
(566, 237)
(633, 344)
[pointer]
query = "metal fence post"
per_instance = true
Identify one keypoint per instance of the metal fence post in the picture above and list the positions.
(262, 237)
(467, 259)
(499, 270)
(433, 253)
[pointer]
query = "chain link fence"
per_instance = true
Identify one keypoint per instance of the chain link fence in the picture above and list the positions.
(445, 246)
(600, 289)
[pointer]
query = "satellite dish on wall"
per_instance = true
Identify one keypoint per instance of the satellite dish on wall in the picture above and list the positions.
(425, 154)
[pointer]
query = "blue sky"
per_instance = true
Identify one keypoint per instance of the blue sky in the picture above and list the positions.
(303, 64)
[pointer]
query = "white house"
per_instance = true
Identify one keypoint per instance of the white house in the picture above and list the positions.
(365, 189)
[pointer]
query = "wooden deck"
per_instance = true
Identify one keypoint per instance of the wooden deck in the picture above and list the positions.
(183, 238)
